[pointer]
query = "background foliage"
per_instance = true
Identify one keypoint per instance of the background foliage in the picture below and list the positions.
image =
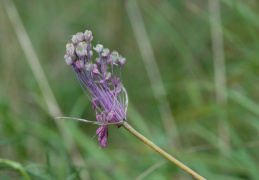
(218, 140)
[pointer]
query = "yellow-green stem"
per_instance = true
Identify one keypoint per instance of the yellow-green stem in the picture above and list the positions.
(161, 151)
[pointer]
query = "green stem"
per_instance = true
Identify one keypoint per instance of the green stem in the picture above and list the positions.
(15, 166)
(161, 151)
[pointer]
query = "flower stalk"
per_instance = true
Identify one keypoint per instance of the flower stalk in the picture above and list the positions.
(161, 151)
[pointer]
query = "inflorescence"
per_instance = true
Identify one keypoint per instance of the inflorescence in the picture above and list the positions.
(100, 80)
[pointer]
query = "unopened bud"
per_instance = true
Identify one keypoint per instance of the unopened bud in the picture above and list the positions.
(95, 70)
(81, 50)
(74, 39)
(110, 59)
(89, 46)
(68, 60)
(91, 54)
(88, 35)
(80, 65)
(108, 76)
(98, 62)
(121, 61)
(98, 48)
(105, 53)
(115, 56)
(116, 81)
(70, 49)
(80, 36)
(88, 67)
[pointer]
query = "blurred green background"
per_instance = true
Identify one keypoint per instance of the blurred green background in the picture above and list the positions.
(191, 76)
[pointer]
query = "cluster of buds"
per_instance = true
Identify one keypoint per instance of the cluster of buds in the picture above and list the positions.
(100, 79)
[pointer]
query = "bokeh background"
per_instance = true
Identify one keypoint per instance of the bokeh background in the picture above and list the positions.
(191, 76)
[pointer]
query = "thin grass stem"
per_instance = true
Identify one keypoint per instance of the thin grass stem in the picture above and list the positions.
(15, 166)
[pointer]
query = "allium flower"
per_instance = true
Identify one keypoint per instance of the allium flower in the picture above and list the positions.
(100, 80)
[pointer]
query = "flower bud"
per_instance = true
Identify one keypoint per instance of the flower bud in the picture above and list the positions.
(88, 67)
(110, 59)
(74, 39)
(70, 49)
(95, 70)
(94, 66)
(105, 53)
(91, 54)
(98, 48)
(89, 46)
(88, 35)
(116, 81)
(98, 62)
(68, 60)
(80, 36)
(80, 65)
(81, 50)
(108, 76)
(121, 61)
(115, 56)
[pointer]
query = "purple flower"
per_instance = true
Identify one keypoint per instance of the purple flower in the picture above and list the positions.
(100, 80)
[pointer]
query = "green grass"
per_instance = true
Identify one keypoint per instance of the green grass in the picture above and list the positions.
(180, 36)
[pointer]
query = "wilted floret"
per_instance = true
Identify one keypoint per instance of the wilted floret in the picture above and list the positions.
(100, 80)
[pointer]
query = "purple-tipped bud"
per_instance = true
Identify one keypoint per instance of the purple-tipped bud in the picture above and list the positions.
(95, 70)
(80, 36)
(98, 48)
(98, 62)
(80, 65)
(105, 53)
(68, 60)
(70, 49)
(74, 39)
(121, 61)
(88, 35)
(108, 76)
(81, 50)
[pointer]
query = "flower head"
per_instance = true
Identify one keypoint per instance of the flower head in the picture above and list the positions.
(100, 80)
